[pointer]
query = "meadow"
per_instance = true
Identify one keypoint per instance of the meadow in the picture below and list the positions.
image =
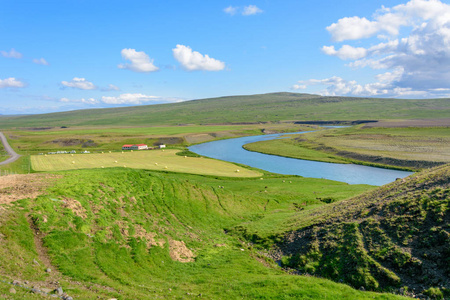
(408, 147)
(274, 107)
(123, 233)
(165, 160)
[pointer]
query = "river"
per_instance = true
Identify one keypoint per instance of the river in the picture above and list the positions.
(231, 150)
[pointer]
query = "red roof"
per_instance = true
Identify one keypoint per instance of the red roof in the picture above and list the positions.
(127, 146)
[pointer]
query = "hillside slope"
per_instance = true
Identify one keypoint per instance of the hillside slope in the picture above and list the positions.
(234, 109)
(396, 236)
(135, 234)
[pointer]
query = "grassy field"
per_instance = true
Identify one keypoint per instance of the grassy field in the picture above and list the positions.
(136, 234)
(411, 147)
(165, 160)
(237, 109)
(392, 237)
(93, 138)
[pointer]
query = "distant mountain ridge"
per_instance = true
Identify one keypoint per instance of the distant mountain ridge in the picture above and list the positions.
(272, 107)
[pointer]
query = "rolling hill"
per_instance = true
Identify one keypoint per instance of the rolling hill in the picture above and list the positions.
(272, 107)
(396, 236)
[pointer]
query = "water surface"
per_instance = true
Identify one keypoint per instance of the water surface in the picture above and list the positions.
(231, 150)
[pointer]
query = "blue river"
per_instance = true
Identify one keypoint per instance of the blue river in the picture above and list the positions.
(231, 150)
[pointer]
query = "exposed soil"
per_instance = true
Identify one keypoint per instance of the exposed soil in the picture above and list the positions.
(20, 186)
(74, 142)
(179, 251)
(75, 206)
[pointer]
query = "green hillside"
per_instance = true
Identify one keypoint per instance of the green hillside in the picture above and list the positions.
(134, 234)
(236, 109)
(395, 237)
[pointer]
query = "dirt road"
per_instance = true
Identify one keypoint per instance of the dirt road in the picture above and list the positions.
(11, 152)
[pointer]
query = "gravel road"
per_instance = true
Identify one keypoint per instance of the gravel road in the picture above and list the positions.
(13, 155)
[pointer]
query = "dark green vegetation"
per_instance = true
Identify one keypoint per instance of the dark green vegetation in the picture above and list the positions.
(237, 109)
(411, 147)
(396, 236)
(134, 234)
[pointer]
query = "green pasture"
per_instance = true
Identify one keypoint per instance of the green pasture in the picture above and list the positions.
(161, 160)
(429, 144)
(98, 245)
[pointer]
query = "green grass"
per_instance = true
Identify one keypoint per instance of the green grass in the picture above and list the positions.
(165, 160)
(411, 147)
(291, 148)
(391, 237)
(253, 108)
(92, 223)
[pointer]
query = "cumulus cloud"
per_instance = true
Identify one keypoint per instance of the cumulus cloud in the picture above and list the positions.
(251, 10)
(140, 62)
(421, 50)
(11, 54)
(248, 10)
(193, 60)
(123, 99)
(231, 10)
(90, 101)
(40, 61)
(346, 52)
(111, 87)
(11, 83)
(79, 83)
(385, 86)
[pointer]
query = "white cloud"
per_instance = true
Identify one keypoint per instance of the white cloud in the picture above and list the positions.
(123, 99)
(111, 87)
(79, 83)
(248, 10)
(40, 61)
(251, 10)
(231, 10)
(346, 52)
(385, 86)
(90, 101)
(11, 54)
(11, 83)
(140, 62)
(421, 50)
(193, 60)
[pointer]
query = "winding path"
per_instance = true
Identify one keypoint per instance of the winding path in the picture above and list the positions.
(13, 155)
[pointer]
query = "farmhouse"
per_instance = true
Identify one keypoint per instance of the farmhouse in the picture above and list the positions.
(135, 147)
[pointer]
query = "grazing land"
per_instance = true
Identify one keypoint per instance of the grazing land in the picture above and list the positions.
(274, 107)
(395, 236)
(165, 160)
(123, 233)
(33, 141)
(135, 229)
(409, 147)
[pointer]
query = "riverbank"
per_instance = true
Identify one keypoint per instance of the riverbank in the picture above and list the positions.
(408, 148)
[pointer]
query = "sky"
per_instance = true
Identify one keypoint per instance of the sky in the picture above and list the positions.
(66, 55)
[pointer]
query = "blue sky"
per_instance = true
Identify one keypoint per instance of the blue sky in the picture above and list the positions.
(65, 55)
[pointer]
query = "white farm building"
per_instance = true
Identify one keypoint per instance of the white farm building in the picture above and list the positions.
(135, 147)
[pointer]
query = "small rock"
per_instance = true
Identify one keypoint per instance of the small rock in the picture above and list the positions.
(48, 270)
(34, 290)
(16, 282)
(362, 288)
(46, 290)
(68, 298)
(12, 290)
(59, 291)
